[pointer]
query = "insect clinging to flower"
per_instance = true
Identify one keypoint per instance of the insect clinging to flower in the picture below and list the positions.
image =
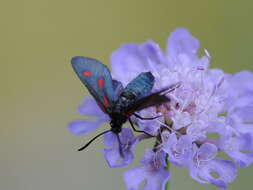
(117, 102)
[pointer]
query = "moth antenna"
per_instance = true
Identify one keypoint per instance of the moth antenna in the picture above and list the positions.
(94, 138)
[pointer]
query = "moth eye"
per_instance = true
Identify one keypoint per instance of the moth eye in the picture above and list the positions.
(87, 73)
(101, 82)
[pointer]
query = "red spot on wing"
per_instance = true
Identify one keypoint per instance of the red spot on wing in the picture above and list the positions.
(106, 101)
(101, 106)
(101, 82)
(87, 73)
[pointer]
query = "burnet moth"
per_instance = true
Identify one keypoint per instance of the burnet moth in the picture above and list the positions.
(117, 102)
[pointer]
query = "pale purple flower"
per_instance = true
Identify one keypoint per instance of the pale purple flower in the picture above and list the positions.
(207, 101)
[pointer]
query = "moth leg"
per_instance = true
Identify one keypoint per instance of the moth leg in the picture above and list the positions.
(136, 130)
(145, 118)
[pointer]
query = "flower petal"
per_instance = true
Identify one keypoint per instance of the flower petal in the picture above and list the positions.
(149, 126)
(239, 148)
(136, 176)
(245, 113)
(182, 42)
(206, 169)
(90, 108)
(152, 51)
(224, 169)
(218, 172)
(80, 127)
(113, 155)
(110, 139)
(179, 150)
(207, 151)
(126, 135)
(152, 173)
(245, 100)
(238, 126)
(115, 160)
(127, 59)
(242, 81)
(194, 173)
(133, 59)
(155, 159)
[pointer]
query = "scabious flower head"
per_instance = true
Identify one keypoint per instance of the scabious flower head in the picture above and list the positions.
(207, 103)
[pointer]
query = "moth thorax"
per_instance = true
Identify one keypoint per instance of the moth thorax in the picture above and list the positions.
(117, 120)
(128, 95)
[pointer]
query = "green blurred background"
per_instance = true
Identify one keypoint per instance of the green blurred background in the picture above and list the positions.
(40, 92)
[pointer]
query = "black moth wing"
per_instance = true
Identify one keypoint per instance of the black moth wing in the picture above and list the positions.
(97, 79)
(153, 99)
(140, 86)
(118, 87)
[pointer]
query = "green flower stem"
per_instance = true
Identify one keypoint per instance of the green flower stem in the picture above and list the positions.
(168, 168)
